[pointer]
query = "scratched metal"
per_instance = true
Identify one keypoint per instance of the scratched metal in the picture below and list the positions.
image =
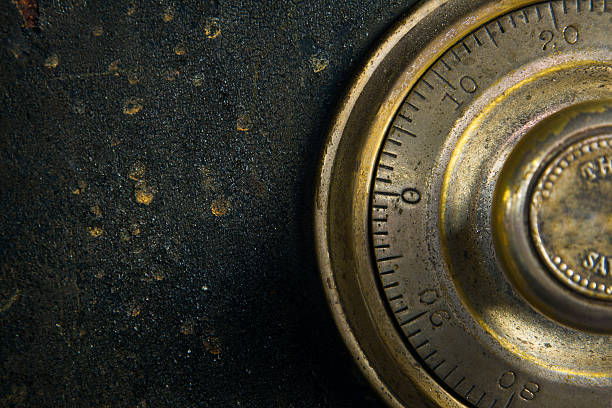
(156, 163)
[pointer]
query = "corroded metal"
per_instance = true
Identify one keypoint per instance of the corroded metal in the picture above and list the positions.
(446, 222)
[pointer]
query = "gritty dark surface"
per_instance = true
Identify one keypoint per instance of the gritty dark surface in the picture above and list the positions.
(156, 169)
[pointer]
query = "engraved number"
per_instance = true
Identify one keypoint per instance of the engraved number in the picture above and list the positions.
(429, 296)
(547, 36)
(528, 392)
(411, 196)
(468, 84)
(437, 318)
(570, 35)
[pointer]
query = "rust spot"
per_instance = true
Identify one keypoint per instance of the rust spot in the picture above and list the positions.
(144, 194)
(318, 62)
(132, 106)
(244, 123)
(213, 345)
(187, 328)
(220, 207)
(95, 210)
(52, 61)
(29, 12)
(95, 231)
(136, 311)
(97, 31)
(180, 50)
(169, 14)
(137, 171)
(212, 28)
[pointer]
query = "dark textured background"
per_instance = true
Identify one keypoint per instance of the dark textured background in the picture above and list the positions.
(209, 294)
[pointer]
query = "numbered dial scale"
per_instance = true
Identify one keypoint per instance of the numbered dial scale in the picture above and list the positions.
(463, 214)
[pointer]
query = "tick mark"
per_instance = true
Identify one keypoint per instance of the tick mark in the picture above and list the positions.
(564, 6)
(404, 131)
(469, 391)
(449, 373)
(480, 399)
(401, 309)
(553, 16)
(430, 86)
(387, 272)
(390, 258)
(379, 220)
(466, 48)
(430, 355)
(395, 298)
(395, 142)
(509, 401)
(387, 193)
(501, 28)
(525, 17)
(414, 107)
(455, 55)
(420, 95)
(490, 35)
(477, 40)
(382, 233)
(438, 365)
(413, 318)
(443, 79)
(459, 383)
(406, 118)
(391, 285)
(389, 154)
(421, 345)
(512, 21)
(538, 13)
(384, 166)
(383, 180)
(448, 68)
(380, 206)
(414, 333)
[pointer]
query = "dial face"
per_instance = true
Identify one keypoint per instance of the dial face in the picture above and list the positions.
(433, 183)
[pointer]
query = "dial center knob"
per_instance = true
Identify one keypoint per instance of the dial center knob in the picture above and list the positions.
(570, 216)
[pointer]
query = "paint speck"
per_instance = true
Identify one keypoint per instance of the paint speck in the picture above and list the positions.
(144, 196)
(52, 61)
(180, 50)
(135, 229)
(97, 31)
(187, 328)
(95, 210)
(29, 12)
(132, 106)
(133, 77)
(212, 345)
(131, 9)
(244, 123)
(205, 288)
(169, 14)
(95, 231)
(198, 80)
(212, 28)
(318, 62)
(220, 207)
(136, 310)
(82, 186)
(114, 67)
(172, 74)
(137, 171)
(158, 275)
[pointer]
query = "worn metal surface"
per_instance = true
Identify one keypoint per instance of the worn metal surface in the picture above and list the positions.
(156, 162)
(436, 278)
